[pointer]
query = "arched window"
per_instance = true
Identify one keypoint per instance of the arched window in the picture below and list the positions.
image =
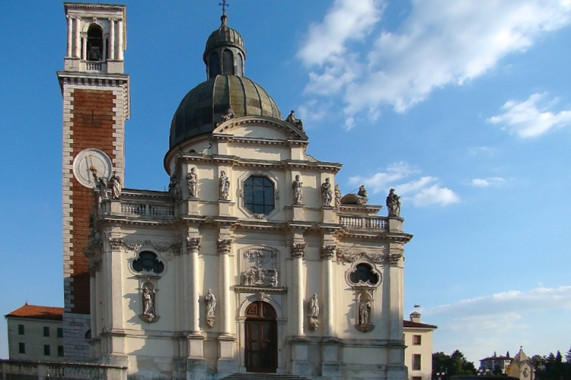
(94, 43)
(214, 66)
(239, 65)
(259, 195)
(228, 62)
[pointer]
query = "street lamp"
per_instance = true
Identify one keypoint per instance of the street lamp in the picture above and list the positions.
(440, 374)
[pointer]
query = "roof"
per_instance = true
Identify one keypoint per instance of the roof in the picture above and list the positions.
(37, 312)
(496, 358)
(418, 325)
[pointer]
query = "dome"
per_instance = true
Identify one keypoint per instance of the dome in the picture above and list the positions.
(224, 37)
(203, 106)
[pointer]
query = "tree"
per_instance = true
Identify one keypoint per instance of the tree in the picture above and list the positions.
(455, 364)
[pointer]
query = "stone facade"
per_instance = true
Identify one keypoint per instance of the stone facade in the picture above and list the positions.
(233, 269)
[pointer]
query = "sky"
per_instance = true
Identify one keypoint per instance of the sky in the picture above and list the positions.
(464, 107)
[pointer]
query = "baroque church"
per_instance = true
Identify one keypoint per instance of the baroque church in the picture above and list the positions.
(252, 261)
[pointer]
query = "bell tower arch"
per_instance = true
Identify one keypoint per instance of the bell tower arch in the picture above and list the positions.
(95, 93)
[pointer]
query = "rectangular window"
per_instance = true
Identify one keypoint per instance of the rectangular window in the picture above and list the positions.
(46, 349)
(416, 362)
(59, 332)
(416, 340)
(60, 351)
(46, 331)
(21, 330)
(22, 348)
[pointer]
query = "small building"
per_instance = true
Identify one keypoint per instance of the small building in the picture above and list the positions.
(495, 364)
(35, 333)
(418, 353)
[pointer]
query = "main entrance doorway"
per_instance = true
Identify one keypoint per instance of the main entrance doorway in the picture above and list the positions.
(261, 353)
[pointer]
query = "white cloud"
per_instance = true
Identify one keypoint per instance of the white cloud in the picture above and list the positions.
(421, 191)
(440, 43)
(532, 117)
(536, 318)
(487, 182)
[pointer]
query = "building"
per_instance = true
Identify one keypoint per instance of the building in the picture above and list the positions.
(35, 333)
(418, 341)
(252, 262)
(520, 366)
(495, 364)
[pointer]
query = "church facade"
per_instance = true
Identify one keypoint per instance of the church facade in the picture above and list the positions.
(252, 261)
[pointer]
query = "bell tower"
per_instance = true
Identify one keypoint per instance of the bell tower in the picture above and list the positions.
(95, 93)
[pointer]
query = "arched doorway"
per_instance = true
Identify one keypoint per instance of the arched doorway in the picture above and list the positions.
(261, 354)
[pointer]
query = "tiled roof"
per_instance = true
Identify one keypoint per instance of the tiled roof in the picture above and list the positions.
(418, 325)
(38, 312)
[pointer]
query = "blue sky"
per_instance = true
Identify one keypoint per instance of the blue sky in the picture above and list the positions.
(463, 107)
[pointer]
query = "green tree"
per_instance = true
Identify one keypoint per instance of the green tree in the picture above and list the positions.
(455, 364)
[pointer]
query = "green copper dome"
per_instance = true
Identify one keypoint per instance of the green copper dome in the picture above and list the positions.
(226, 88)
(204, 105)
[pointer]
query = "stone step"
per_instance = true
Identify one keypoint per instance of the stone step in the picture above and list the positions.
(262, 376)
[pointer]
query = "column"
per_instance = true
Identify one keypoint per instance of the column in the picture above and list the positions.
(77, 35)
(299, 344)
(120, 40)
(193, 245)
(227, 363)
(327, 305)
(111, 39)
(69, 35)
(297, 253)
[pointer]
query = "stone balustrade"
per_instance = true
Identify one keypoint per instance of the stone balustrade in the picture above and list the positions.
(364, 222)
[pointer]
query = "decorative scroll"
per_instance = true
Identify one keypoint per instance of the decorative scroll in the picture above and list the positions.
(261, 268)
(224, 246)
(298, 250)
(349, 257)
(328, 252)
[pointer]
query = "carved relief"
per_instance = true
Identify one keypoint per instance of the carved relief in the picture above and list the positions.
(260, 268)
(344, 255)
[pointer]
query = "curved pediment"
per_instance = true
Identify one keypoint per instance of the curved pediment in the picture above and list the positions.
(260, 127)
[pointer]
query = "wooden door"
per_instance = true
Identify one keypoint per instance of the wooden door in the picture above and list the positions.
(261, 338)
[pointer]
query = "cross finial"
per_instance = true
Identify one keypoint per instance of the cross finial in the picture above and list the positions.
(224, 4)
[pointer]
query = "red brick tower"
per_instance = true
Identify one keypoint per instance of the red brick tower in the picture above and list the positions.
(95, 94)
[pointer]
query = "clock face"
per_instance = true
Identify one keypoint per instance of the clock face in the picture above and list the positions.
(89, 162)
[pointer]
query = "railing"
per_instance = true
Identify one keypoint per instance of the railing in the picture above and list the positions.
(147, 210)
(94, 66)
(47, 370)
(364, 222)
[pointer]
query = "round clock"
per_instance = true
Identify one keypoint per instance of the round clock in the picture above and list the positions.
(89, 162)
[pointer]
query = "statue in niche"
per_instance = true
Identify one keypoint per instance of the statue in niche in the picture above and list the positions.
(210, 301)
(326, 193)
(364, 312)
(148, 296)
(114, 184)
(224, 186)
(294, 121)
(296, 187)
(313, 312)
(192, 183)
(393, 203)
